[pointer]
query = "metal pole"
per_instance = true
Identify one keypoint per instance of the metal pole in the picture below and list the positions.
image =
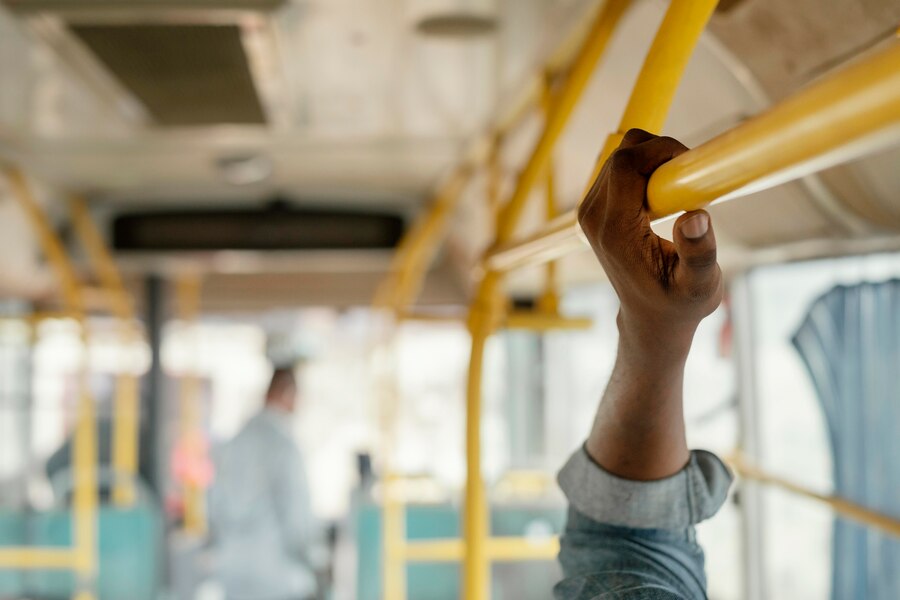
(825, 124)
(548, 303)
(841, 506)
(486, 310)
(84, 501)
(844, 116)
(154, 306)
(498, 549)
(647, 108)
(419, 245)
(393, 531)
(126, 422)
(564, 102)
(83, 554)
(669, 54)
(750, 493)
(476, 528)
(678, 34)
(188, 296)
(393, 510)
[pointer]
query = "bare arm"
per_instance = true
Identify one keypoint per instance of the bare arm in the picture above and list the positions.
(665, 290)
(629, 531)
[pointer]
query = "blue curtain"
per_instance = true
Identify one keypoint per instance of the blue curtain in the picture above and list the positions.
(850, 343)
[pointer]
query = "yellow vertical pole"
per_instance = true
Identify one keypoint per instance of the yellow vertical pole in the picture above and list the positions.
(194, 493)
(394, 540)
(84, 501)
(126, 422)
(653, 92)
(486, 309)
(84, 455)
(125, 442)
(549, 299)
(564, 102)
(393, 511)
(483, 318)
(494, 178)
(393, 514)
(188, 296)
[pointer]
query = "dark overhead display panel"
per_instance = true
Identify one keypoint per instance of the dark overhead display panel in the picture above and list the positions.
(183, 74)
(274, 229)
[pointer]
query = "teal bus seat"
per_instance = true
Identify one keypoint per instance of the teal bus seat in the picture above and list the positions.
(440, 581)
(130, 553)
(12, 533)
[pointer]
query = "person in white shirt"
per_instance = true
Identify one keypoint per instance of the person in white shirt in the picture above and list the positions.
(261, 523)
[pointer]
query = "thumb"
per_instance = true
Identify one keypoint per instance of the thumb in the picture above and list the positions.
(695, 243)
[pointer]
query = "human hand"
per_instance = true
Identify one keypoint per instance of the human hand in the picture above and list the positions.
(665, 288)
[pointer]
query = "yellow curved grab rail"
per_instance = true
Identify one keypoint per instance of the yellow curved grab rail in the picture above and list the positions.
(81, 557)
(841, 117)
(829, 122)
(672, 47)
(834, 120)
(126, 413)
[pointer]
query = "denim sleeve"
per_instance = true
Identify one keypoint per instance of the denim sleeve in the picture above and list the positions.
(635, 539)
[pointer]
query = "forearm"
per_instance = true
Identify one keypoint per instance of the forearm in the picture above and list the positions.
(630, 516)
(639, 431)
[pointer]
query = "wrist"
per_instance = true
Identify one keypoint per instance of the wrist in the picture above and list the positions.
(655, 343)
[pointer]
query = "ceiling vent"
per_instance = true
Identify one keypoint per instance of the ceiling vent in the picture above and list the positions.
(454, 18)
(187, 63)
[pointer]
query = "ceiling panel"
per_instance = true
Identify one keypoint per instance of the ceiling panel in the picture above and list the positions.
(182, 74)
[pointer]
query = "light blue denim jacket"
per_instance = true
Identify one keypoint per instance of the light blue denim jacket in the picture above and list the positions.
(635, 539)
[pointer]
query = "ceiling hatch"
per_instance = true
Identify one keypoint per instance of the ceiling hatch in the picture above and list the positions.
(182, 74)
(183, 62)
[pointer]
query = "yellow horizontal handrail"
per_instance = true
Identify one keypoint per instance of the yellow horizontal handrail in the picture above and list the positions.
(841, 117)
(497, 549)
(538, 321)
(841, 506)
(533, 320)
(500, 549)
(38, 558)
(432, 317)
(450, 550)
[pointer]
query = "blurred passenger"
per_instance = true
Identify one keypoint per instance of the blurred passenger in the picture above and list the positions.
(635, 490)
(261, 522)
(59, 465)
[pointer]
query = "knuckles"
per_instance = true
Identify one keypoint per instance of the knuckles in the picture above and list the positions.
(644, 157)
(670, 141)
(636, 136)
(623, 159)
(586, 216)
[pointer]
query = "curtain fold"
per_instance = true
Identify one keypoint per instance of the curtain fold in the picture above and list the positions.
(850, 344)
